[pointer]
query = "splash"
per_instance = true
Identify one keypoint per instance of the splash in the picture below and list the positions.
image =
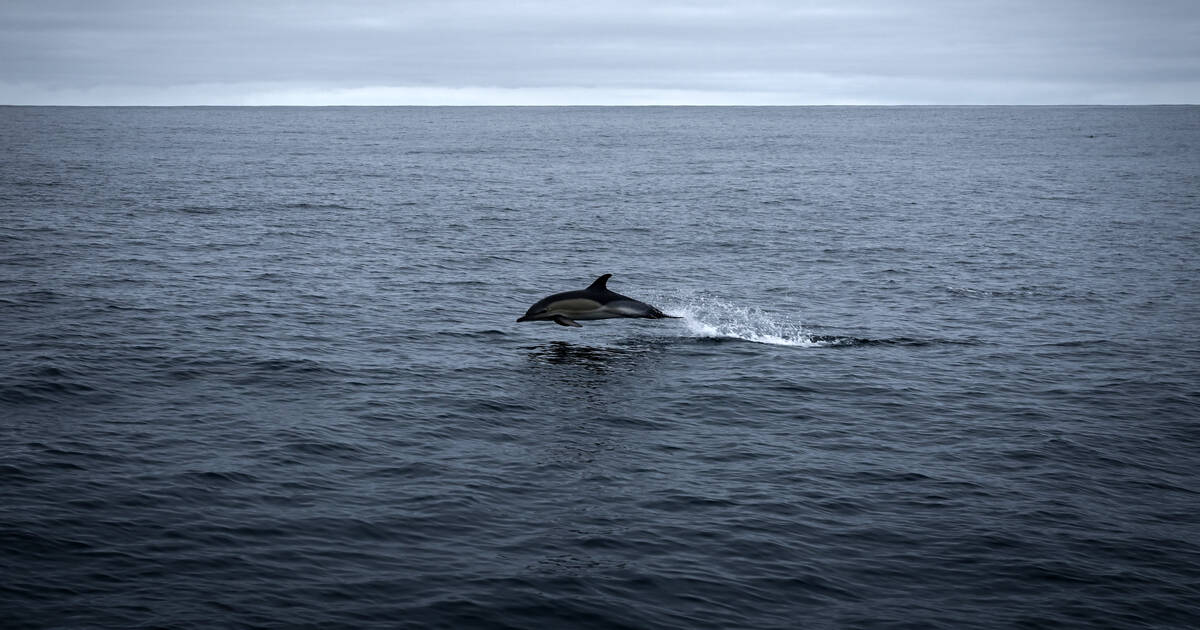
(716, 318)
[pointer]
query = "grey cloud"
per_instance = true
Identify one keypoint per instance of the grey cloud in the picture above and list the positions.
(760, 46)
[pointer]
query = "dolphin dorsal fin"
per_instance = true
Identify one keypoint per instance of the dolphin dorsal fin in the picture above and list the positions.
(601, 283)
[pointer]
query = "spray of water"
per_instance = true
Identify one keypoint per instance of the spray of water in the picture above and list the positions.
(707, 316)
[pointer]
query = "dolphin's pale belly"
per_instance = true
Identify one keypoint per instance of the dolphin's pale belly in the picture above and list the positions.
(585, 309)
(627, 308)
(581, 308)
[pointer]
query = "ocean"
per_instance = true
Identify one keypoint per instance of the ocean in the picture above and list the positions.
(934, 367)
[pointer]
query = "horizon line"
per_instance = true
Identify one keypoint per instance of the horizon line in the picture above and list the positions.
(623, 105)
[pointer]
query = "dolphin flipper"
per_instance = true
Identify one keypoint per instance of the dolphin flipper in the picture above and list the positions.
(563, 321)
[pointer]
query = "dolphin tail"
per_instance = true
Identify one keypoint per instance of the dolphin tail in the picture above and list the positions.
(657, 314)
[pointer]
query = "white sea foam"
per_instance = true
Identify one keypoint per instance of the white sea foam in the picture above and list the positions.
(707, 316)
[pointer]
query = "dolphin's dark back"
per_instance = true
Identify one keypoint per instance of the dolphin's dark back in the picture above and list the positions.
(598, 290)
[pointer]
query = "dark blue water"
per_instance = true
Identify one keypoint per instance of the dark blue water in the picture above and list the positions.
(937, 368)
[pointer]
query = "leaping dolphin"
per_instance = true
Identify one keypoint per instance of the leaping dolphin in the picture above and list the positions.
(594, 302)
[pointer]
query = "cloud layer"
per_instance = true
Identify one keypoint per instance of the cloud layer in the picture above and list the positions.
(486, 52)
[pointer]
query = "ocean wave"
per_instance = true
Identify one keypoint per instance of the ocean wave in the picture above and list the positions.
(712, 317)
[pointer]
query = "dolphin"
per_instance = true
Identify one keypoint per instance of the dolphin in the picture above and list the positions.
(594, 302)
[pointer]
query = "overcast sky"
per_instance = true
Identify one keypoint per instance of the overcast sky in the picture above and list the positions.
(771, 52)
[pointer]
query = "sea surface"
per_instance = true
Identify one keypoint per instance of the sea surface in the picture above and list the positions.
(935, 367)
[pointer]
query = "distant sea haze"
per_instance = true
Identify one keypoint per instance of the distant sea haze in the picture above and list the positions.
(935, 367)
